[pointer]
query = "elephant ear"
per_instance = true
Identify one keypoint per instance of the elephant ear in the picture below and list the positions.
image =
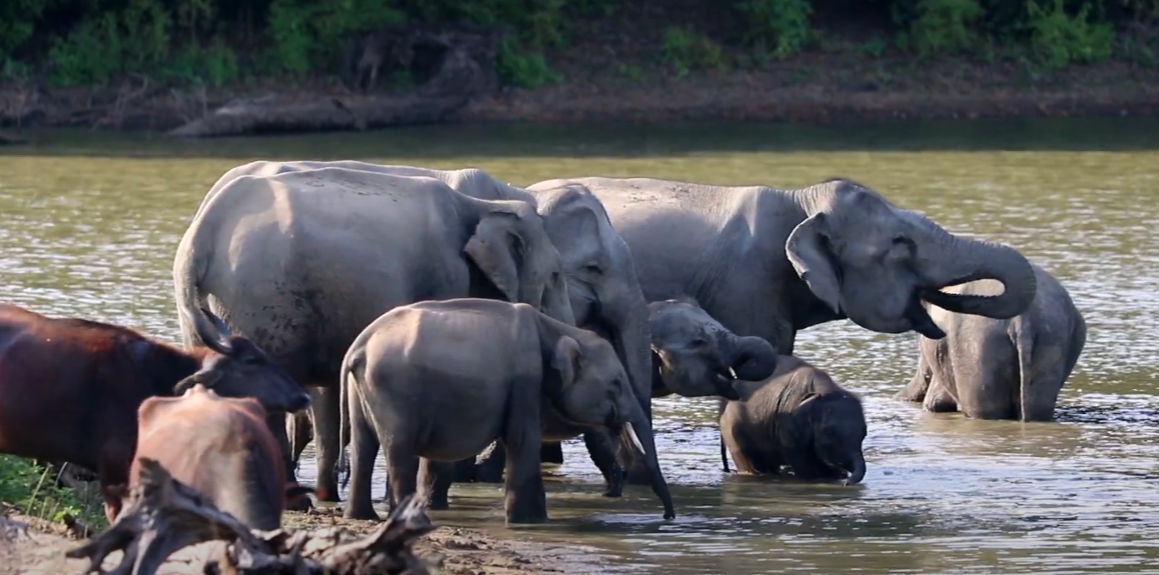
(494, 247)
(566, 359)
(806, 251)
(805, 417)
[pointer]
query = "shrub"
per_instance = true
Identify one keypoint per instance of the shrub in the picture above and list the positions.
(686, 50)
(781, 24)
(1059, 39)
(945, 26)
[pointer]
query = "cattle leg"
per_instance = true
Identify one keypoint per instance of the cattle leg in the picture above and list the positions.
(436, 478)
(324, 403)
(113, 476)
(277, 424)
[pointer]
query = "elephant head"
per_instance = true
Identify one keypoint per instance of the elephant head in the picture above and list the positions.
(833, 425)
(605, 293)
(874, 263)
(586, 384)
(512, 249)
(696, 356)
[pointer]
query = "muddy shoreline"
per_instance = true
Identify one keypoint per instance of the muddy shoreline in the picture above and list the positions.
(448, 550)
(819, 89)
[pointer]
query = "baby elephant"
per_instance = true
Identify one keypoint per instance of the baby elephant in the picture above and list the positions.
(799, 417)
(441, 380)
(1000, 368)
(792, 415)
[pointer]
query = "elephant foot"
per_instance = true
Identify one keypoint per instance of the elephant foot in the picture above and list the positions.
(365, 513)
(439, 502)
(524, 508)
(327, 494)
(614, 486)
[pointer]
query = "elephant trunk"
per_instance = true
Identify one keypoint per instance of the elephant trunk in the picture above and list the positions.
(753, 358)
(954, 261)
(857, 473)
(636, 434)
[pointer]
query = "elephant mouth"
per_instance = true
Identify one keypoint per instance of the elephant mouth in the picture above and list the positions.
(726, 384)
(920, 319)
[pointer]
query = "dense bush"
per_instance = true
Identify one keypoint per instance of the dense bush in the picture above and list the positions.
(215, 42)
(29, 489)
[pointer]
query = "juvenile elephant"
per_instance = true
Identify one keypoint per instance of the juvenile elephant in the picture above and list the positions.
(1001, 369)
(768, 263)
(302, 261)
(800, 418)
(605, 294)
(442, 380)
(695, 356)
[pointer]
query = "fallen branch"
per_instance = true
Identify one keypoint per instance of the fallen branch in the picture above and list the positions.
(163, 515)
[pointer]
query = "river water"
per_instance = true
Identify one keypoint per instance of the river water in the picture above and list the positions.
(89, 224)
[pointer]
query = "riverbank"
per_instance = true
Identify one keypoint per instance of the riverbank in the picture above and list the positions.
(838, 87)
(40, 550)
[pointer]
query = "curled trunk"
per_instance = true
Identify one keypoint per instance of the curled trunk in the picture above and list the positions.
(857, 473)
(957, 261)
(752, 358)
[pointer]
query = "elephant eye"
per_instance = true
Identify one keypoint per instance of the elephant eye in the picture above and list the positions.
(593, 268)
(698, 342)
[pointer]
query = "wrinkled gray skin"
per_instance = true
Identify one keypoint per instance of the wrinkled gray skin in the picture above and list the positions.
(301, 262)
(1001, 369)
(605, 294)
(800, 418)
(443, 380)
(695, 356)
(769, 263)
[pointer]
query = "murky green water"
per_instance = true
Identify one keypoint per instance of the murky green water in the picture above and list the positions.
(89, 224)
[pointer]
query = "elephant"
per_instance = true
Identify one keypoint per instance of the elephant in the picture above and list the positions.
(302, 261)
(605, 293)
(768, 263)
(441, 380)
(1001, 368)
(798, 417)
(695, 356)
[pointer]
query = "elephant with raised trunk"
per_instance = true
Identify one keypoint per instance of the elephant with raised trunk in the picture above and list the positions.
(768, 263)
(695, 356)
(442, 380)
(797, 418)
(1001, 368)
(605, 294)
(302, 262)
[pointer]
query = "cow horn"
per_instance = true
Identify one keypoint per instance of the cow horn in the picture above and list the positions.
(210, 329)
(205, 378)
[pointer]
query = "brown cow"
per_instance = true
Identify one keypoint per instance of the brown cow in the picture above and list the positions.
(221, 447)
(70, 388)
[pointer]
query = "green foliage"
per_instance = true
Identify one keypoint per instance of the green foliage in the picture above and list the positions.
(945, 26)
(1059, 39)
(687, 50)
(18, 19)
(524, 70)
(29, 489)
(780, 24)
(307, 35)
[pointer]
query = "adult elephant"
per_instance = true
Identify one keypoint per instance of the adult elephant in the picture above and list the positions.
(768, 263)
(605, 293)
(301, 262)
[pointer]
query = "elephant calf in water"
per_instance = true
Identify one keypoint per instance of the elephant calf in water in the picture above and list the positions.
(441, 380)
(1001, 368)
(785, 410)
(799, 417)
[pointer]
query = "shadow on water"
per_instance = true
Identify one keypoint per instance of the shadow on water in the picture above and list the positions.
(616, 140)
(94, 236)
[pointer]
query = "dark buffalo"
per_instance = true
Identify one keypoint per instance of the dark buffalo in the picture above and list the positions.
(70, 388)
(221, 447)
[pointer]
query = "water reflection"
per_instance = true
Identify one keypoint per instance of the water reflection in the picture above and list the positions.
(89, 227)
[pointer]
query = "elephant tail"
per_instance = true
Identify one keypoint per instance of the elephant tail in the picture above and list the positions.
(1024, 348)
(346, 378)
(189, 269)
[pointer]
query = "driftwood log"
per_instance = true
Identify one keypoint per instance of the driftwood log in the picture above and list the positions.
(450, 66)
(164, 515)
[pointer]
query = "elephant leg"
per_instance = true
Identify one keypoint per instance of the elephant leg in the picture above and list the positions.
(364, 446)
(919, 386)
(602, 449)
(939, 399)
(300, 431)
(324, 403)
(402, 468)
(465, 470)
(277, 425)
(491, 463)
(526, 500)
(551, 452)
(436, 478)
